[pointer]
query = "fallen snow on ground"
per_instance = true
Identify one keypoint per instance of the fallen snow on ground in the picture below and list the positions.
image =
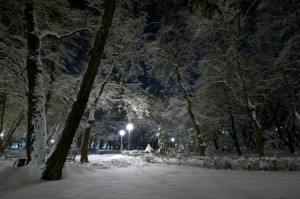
(119, 176)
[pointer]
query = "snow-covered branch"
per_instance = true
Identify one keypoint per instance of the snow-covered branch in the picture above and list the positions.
(226, 83)
(48, 33)
(3, 44)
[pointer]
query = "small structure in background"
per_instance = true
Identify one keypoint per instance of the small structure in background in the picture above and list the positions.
(148, 149)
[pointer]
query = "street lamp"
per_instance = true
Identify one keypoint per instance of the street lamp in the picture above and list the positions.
(129, 127)
(122, 133)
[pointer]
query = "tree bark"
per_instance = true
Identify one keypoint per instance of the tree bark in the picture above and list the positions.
(232, 125)
(289, 130)
(91, 120)
(250, 110)
(36, 133)
(51, 87)
(234, 136)
(85, 142)
(199, 148)
(55, 163)
(281, 133)
(294, 103)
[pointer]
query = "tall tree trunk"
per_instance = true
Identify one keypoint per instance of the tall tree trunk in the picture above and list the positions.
(3, 104)
(234, 136)
(51, 87)
(289, 130)
(232, 125)
(249, 108)
(281, 133)
(86, 138)
(294, 103)
(91, 120)
(36, 133)
(216, 138)
(55, 162)
(199, 148)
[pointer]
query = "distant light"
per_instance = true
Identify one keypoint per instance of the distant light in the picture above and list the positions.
(52, 141)
(2, 134)
(122, 132)
(173, 139)
(129, 127)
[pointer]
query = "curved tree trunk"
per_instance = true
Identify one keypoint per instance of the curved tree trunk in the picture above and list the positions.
(36, 133)
(91, 120)
(199, 148)
(55, 162)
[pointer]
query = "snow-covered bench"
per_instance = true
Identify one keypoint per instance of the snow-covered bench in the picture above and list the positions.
(19, 155)
(15, 154)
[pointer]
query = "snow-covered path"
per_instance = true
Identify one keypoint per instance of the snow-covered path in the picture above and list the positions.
(129, 179)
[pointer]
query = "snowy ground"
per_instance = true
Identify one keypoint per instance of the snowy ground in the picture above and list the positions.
(119, 176)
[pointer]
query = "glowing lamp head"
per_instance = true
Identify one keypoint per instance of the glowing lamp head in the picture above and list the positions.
(129, 127)
(122, 132)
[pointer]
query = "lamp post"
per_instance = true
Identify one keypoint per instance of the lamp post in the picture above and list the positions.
(129, 127)
(122, 133)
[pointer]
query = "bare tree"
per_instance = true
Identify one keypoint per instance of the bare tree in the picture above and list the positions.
(174, 56)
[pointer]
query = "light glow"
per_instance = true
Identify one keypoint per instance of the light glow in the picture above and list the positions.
(122, 132)
(129, 127)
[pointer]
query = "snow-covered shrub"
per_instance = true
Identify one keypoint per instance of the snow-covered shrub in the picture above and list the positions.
(148, 158)
(279, 164)
(268, 164)
(209, 162)
(227, 163)
(217, 163)
(249, 163)
(243, 163)
(290, 164)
